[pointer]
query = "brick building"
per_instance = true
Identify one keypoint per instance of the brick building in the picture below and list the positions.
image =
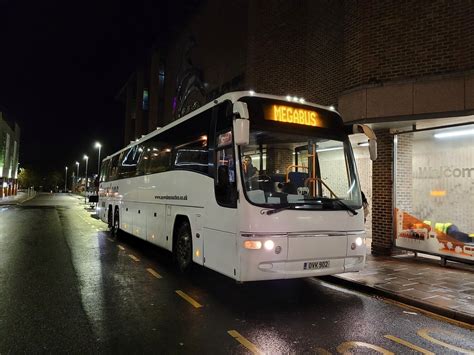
(9, 154)
(400, 66)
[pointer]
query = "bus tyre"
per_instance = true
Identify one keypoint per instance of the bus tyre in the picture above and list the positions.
(116, 225)
(184, 248)
(109, 219)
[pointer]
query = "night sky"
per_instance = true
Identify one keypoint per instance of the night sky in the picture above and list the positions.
(61, 67)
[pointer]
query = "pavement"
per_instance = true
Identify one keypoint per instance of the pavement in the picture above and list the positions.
(19, 198)
(420, 281)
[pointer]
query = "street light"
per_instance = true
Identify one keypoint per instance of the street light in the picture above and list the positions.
(77, 177)
(86, 158)
(98, 145)
(65, 182)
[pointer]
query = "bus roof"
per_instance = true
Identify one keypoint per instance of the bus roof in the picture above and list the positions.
(231, 96)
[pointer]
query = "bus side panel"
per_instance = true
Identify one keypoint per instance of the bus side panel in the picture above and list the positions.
(126, 220)
(155, 224)
(138, 214)
(220, 251)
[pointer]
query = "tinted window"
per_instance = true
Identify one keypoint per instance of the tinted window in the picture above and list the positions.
(104, 170)
(128, 162)
(190, 143)
(156, 157)
(113, 170)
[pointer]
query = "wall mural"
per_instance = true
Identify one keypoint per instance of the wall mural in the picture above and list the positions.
(191, 90)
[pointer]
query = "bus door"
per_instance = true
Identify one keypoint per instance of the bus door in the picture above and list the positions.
(221, 222)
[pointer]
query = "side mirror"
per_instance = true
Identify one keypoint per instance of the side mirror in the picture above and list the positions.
(373, 149)
(369, 133)
(241, 131)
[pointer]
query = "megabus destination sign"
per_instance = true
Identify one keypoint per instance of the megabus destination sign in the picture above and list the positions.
(295, 115)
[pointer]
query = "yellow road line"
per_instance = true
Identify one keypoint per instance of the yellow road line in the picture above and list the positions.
(133, 257)
(424, 333)
(154, 273)
(189, 299)
(249, 345)
(121, 247)
(431, 314)
(408, 344)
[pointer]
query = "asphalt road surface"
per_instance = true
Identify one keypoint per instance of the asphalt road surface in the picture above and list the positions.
(67, 286)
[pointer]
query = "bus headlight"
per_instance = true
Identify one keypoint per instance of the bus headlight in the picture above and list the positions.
(359, 241)
(269, 244)
(253, 244)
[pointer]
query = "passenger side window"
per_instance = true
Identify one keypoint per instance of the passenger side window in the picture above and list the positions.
(128, 162)
(104, 171)
(156, 158)
(113, 171)
(190, 141)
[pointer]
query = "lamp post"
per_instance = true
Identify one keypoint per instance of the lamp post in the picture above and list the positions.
(65, 181)
(98, 145)
(77, 177)
(86, 158)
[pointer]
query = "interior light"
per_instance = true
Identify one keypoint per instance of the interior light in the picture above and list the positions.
(269, 244)
(328, 149)
(253, 244)
(465, 132)
(359, 241)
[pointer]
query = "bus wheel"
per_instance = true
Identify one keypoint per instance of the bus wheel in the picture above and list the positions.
(184, 247)
(116, 226)
(109, 218)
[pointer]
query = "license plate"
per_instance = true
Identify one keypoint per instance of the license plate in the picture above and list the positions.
(315, 265)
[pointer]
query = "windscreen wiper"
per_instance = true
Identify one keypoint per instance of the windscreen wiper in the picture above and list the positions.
(279, 209)
(339, 201)
(345, 206)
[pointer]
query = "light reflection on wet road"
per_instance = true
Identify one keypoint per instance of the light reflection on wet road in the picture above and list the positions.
(67, 286)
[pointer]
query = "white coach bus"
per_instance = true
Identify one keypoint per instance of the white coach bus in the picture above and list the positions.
(255, 187)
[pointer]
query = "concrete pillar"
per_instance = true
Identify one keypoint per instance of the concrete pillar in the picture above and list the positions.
(404, 174)
(129, 111)
(382, 198)
(139, 127)
(156, 91)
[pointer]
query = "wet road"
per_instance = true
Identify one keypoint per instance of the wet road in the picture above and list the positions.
(67, 286)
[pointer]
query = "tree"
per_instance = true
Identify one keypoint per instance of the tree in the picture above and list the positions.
(28, 178)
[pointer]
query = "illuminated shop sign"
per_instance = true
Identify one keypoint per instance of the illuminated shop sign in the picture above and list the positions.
(288, 114)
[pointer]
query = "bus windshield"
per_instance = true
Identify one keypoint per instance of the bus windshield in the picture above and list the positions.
(296, 171)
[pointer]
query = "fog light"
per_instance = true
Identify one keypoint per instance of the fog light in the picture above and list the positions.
(252, 244)
(359, 241)
(269, 244)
